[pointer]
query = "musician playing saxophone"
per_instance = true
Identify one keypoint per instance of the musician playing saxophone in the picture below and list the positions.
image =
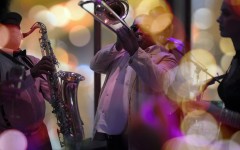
(22, 108)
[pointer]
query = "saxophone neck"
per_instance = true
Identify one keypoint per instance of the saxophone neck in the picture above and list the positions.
(33, 28)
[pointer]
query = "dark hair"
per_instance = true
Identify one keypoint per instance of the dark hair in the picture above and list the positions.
(235, 6)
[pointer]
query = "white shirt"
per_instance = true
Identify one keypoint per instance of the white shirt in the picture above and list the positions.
(128, 85)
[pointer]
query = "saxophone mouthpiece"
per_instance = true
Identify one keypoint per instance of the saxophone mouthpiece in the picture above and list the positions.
(33, 28)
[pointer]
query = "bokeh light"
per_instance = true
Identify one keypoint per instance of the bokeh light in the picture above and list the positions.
(13, 140)
(85, 71)
(224, 145)
(183, 84)
(5, 32)
(63, 18)
(236, 137)
(226, 46)
(47, 18)
(40, 13)
(225, 62)
(193, 72)
(203, 18)
(144, 6)
(79, 36)
(188, 142)
(72, 61)
(202, 60)
(35, 10)
(204, 40)
(76, 12)
(161, 22)
(62, 15)
(200, 123)
(61, 54)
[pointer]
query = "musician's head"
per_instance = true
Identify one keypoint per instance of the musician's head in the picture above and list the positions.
(141, 27)
(229, 19)
(10, 32)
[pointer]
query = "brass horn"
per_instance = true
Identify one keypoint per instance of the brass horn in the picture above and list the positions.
(108, 12)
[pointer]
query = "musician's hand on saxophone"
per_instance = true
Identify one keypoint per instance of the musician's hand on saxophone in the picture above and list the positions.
(44, 66)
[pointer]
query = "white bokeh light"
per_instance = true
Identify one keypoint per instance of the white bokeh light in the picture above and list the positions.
(226, 46)
(85, 71)
(225, 62)
(203, 18)
(202, 124)
(35, 10)
(62, 15)
(79, 36)
(76, 11)
(46, 17)
(4, 31)
(13, 140)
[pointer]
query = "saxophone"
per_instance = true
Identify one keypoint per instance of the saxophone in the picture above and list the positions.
(63, 89)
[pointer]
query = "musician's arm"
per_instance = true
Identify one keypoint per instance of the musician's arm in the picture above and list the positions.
(226, 116)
